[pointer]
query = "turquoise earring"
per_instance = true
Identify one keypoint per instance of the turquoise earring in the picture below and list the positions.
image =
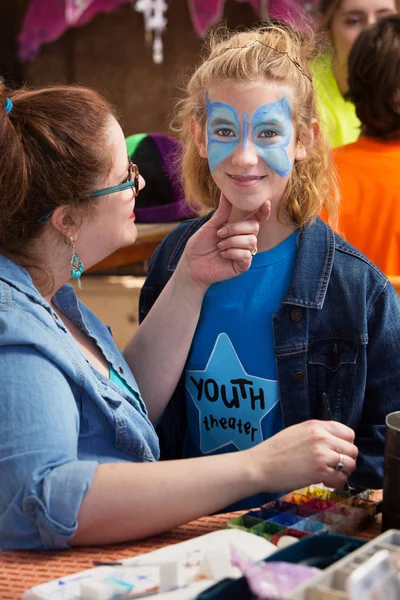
(76, 264)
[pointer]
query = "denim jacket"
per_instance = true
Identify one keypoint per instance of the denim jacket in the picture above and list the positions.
(337, 331)
(59, 416)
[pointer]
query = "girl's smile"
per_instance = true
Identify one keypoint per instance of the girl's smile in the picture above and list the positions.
(246, 180)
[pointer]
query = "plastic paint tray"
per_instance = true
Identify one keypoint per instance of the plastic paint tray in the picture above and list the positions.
(310, 511)
(344, 554)
(317, 551)
(332, 583)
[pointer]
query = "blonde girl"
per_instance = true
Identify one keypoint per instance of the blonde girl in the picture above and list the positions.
(311, 330)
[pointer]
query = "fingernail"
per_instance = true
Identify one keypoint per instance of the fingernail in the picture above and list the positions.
(221, 232)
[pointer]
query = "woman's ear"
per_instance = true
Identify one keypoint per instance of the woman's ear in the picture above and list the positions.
(312, 135)
(199, 137)
(63, 221)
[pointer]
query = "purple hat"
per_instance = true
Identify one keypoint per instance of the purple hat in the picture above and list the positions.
(157, 156)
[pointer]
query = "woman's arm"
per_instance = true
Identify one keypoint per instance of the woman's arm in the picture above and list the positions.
(130, 501)
(158, 351)
(53, 499)
(42, 480)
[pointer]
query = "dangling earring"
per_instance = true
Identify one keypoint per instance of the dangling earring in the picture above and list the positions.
(76, 265)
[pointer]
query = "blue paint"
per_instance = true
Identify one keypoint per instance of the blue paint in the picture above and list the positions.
(271, 133)
(310, 526)
(285, 519)
(275, 120)
(221, 119)
(245, 129)
(127, 586)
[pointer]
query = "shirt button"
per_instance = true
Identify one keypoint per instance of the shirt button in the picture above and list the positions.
(79, 324)
(55, 316)
(298, 377)
(121, 370)
(296, 314)
(30, 506)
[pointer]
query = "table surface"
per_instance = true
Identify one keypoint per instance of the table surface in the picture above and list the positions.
(20, 571)
(150, 235)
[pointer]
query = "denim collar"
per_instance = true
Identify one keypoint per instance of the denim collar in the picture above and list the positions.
(313, 267)
(19, 278)
(316, 250)
(67, 302)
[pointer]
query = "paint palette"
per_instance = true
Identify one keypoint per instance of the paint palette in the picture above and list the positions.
(309, 511)
(181, 570)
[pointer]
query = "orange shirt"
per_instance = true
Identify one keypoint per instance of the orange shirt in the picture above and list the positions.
(369, 214)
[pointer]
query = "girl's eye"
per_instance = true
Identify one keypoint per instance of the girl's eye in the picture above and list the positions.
(225, 132)
(268, 133)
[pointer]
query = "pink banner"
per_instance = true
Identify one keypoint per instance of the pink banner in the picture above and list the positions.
(47, 20)
(206, 13)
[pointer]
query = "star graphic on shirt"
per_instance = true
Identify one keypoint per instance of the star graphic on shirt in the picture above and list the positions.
(230, 403)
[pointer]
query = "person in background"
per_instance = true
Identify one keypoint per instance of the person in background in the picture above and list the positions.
(78, 451)
(369, 168)
(342, 20)
(312, 328)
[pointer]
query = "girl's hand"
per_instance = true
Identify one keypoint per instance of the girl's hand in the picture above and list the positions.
(221, 250)
(305, 454)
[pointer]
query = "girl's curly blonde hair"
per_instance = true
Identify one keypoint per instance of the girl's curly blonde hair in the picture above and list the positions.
(281, 53)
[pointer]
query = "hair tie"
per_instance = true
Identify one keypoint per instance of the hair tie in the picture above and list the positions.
(9, 105)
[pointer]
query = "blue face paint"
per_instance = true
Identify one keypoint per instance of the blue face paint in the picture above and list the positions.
(223, 132)
(271, 133)
(245, 129)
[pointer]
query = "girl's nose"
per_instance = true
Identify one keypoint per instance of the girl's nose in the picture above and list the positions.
(245, 155)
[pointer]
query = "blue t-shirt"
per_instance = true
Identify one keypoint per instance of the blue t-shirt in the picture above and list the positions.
(232, 393)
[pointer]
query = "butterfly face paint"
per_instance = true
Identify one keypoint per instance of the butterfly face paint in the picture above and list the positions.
(271, 135)
(270, 129)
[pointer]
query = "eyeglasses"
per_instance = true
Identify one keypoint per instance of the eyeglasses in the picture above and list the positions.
(132, 182)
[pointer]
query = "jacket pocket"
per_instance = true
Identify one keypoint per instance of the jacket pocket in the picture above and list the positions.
(129, 436)
(332, 367)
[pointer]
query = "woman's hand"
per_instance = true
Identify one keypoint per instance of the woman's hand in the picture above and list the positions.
(304, 454)
(221, 250)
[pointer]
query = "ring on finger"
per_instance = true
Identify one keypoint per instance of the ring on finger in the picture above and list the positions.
(340, 463)
(254, 251)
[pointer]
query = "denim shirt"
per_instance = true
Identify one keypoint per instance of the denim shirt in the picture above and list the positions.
(337, 331)
(60, 417)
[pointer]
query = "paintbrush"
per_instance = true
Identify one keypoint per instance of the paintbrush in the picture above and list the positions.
(329, 416)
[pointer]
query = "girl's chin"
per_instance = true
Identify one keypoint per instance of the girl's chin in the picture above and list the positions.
(246, 205)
